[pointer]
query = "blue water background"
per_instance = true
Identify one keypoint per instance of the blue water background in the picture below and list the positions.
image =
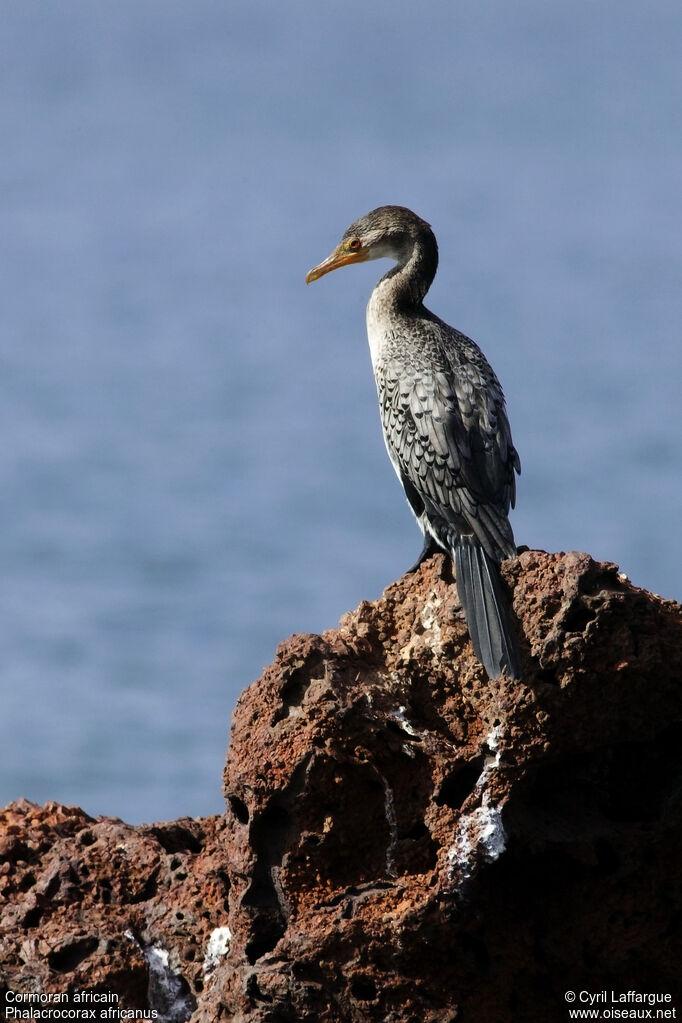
(191, 462)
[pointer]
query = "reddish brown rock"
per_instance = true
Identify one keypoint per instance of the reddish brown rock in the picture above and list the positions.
(405, 840)
(413, 842)
(101, 906)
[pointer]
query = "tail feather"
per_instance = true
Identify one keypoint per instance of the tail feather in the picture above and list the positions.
(485, 609)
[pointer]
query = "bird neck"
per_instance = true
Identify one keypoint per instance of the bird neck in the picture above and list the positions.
(406, 284)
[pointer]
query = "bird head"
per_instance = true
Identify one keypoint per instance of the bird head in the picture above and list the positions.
(389, 231)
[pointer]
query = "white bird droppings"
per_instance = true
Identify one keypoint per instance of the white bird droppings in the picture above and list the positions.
(217, 947)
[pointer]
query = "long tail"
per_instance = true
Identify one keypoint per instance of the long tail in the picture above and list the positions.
(485, 609)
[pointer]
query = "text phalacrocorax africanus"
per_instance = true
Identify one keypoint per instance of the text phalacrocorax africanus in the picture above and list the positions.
(444, 423)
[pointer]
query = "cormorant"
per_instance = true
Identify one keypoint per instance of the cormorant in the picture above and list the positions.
(444, 423)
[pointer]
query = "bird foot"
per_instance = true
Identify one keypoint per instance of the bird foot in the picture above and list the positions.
(430, 547)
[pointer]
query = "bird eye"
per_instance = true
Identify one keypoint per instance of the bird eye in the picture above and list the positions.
(355, 244)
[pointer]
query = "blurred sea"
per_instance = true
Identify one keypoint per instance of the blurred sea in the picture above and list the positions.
(192, 466)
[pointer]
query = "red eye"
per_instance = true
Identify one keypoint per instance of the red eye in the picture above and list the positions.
(355, 244)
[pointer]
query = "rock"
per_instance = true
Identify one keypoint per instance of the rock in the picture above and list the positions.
(100, 906)
(404, 839)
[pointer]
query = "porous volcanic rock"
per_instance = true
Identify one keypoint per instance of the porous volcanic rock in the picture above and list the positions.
(97, 905)
(412, 842)
(404, 840)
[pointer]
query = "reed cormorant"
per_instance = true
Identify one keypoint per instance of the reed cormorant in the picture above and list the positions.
(444, 423)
